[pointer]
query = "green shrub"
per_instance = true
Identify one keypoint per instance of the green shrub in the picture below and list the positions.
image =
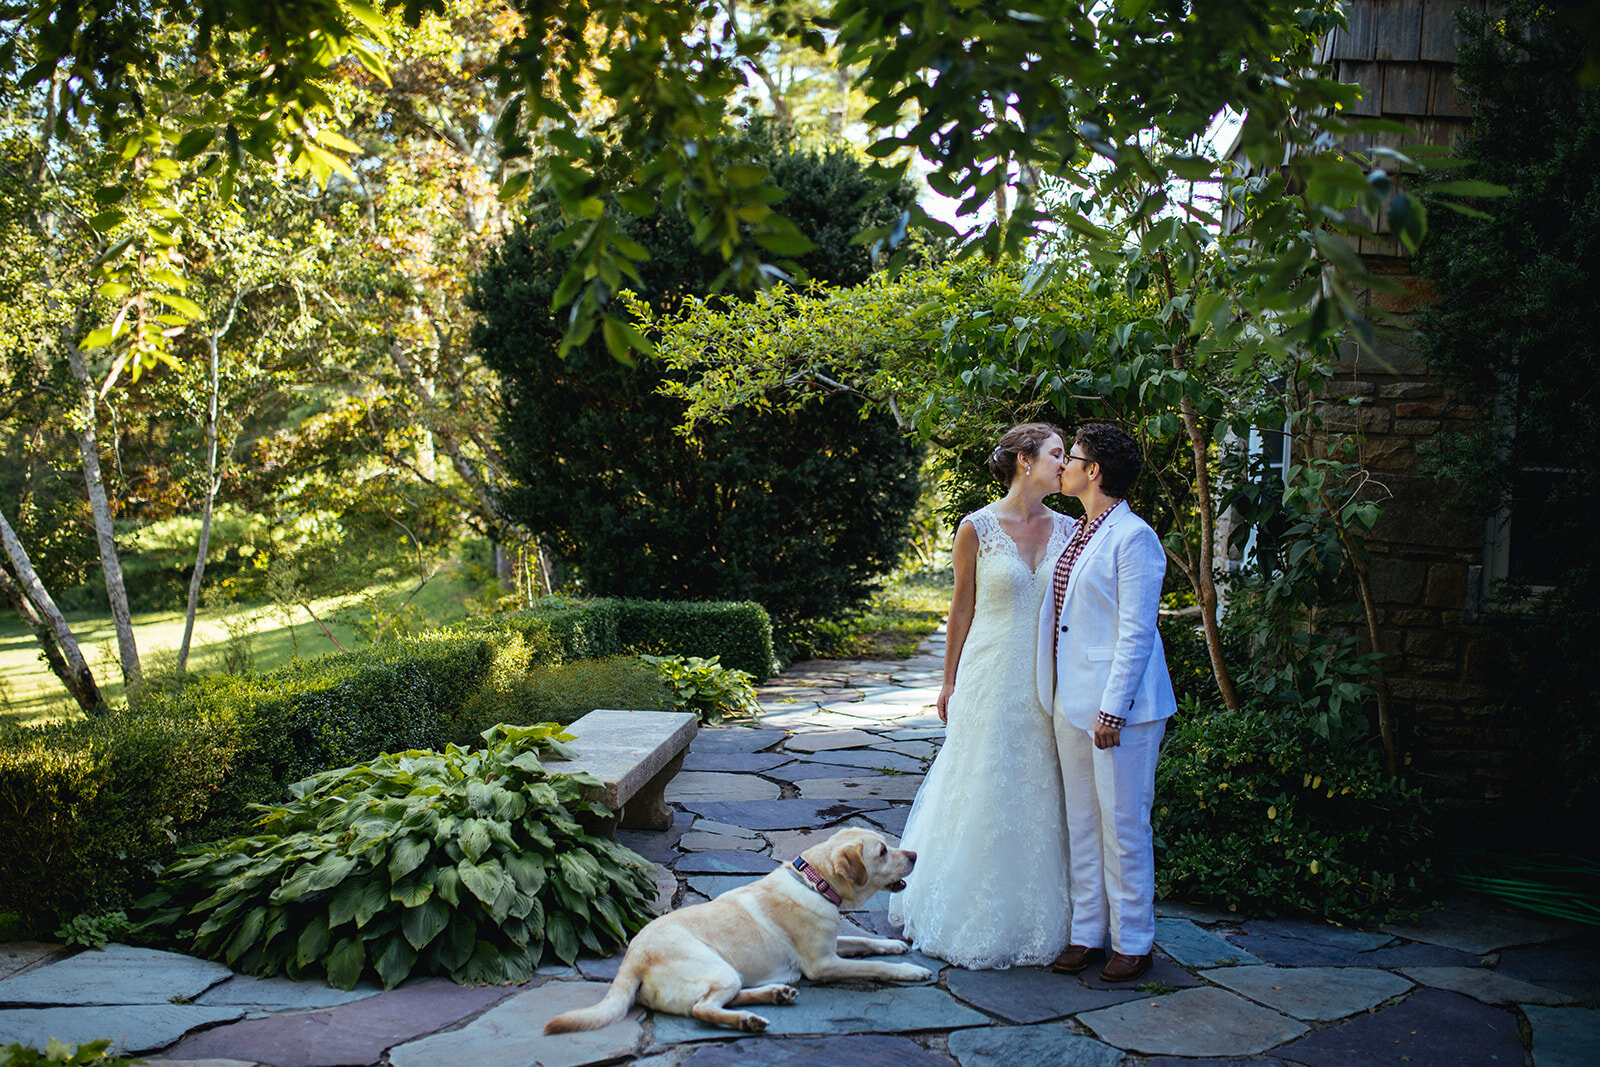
(1255, 811)
(87, 806)
(706, 688)
(739, 634)
(565, 693)
(88, 1054)
(1189, 658)
(94, 929)
(463, 863)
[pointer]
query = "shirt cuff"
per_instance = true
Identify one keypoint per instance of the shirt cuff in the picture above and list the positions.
(1116, 722)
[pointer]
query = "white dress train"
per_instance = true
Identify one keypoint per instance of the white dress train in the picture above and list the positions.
(988, 825)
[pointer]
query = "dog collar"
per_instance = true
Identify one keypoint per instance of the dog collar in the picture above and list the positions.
(819, 883)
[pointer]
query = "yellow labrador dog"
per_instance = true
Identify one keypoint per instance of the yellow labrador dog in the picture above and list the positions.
(746, 945)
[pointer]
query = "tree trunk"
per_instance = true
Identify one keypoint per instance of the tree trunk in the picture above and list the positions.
(39, 612)
(1205, 580)
(212, 485)
(110, 563)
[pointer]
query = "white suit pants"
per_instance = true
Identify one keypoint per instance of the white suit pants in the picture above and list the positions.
(1109, 793)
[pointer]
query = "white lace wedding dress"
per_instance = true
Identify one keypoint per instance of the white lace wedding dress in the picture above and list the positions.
(988, 824)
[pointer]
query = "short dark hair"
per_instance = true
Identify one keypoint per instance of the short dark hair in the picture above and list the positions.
(1117, 453)
(1022, 440)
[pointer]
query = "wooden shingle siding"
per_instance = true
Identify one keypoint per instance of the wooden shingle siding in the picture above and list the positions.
(1399, 30)
(1406, 88)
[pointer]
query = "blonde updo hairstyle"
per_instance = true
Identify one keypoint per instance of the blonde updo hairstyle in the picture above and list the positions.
(1020, 441)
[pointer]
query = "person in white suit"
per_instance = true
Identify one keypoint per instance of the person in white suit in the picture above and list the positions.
(1102, 671)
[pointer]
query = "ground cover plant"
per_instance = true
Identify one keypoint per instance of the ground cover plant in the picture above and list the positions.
(1257, 812)
(707, 688)
(473, 864)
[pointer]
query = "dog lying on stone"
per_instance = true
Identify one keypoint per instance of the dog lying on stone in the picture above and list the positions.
(745, 946)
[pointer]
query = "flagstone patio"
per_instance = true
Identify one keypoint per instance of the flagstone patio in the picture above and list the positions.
(847, 744)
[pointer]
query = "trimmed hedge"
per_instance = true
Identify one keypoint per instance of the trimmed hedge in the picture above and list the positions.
(88, 806)
(739, 632)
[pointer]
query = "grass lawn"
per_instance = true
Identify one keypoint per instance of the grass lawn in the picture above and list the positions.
(905, 609)
(29, 692)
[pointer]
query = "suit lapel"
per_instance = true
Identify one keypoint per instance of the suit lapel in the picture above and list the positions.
(1101, 536)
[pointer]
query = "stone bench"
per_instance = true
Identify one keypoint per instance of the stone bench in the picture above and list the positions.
(634, 754)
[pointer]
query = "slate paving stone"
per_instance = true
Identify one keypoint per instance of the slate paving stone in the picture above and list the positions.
(1313, 994)
(714, 785)
(596, 969)
(916, 733)
(917, 750)
(1185, 1061)
(787, 844)
(1195, 946)
(714, 885)
(1429, 1027)
(201, 1063)
(835, 1010)
(736, 861)
(1163, 972)
(1192, 1022)
(1572, 968)
(874, 758)
(281, 994)
(347, 1035)
(1395, 956)
(828, 740)
(1474, 926)
(857, 1050)
(881, 787)
(1292, 951)
(511, 1034)
(782, 814)
(119, 974)
(657, 846)
(19, 956)
(823, 722)
(132, 1027)
(891, 820)
(1200, 913)
(805, 770)
(1564, 1037)
(735, 762)
(1031, 994)
(733, 739)
(1030, 1046)
(925, 719)
(1491, 987)
(1319, 933)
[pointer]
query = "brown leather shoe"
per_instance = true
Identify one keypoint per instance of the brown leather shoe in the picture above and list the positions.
(1120, 968)
(1075, 958)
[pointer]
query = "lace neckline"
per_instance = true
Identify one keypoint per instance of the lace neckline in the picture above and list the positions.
(1016, 550)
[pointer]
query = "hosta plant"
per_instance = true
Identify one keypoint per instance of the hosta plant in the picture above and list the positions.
(466, 863)
(706, 687)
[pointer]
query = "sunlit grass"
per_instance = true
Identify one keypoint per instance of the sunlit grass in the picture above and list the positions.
(905, 610)
(30, 693)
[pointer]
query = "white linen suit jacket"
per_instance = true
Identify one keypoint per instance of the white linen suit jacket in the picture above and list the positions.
(1109, 657)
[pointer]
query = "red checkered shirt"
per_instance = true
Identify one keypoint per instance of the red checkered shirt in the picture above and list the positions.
(1064, 565)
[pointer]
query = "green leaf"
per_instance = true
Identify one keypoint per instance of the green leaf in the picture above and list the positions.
(332, 869)
(474, 839)
(345, 963)
(406, 855)
(394, 963)
(342, 905)
(1468, 187)
(447, 884)
(313, 941)
(423, 923)
(245, 936)
(527, 870)
(181, 304)
(482, 880)
(413, 891)
(560, 937)
(374, 899)
(194, 142)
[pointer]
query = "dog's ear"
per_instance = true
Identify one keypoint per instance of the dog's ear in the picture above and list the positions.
(848, 862)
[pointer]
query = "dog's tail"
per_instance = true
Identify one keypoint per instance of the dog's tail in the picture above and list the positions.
(615, 1004)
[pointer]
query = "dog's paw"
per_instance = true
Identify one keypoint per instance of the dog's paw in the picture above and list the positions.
(910, 972)
(785, 994)
(893, 948)
(752, 1024)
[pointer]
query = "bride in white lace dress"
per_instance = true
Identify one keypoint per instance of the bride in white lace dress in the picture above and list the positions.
(988, 825)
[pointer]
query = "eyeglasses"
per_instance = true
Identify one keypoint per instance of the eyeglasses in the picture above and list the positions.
(1084, 459)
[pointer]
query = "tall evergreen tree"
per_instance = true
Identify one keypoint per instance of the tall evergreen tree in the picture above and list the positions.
(799, 511)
